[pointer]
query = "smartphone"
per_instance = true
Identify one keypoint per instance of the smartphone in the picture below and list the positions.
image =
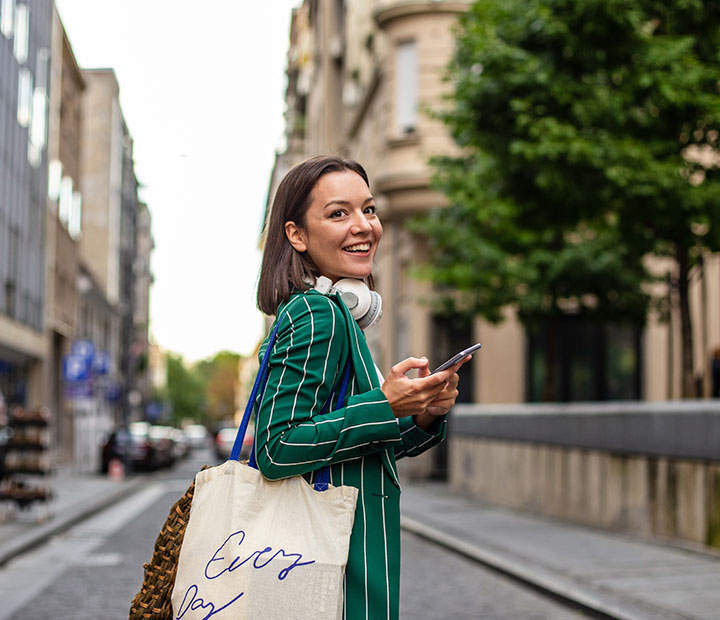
(456, 358)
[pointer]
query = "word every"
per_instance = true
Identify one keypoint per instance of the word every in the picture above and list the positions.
(227, 559)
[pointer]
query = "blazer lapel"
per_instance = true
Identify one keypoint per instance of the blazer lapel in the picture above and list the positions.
(366, 376)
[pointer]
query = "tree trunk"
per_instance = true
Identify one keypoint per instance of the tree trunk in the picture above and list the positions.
(688, 383)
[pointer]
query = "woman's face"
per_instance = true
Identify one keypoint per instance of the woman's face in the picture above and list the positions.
(342, 229)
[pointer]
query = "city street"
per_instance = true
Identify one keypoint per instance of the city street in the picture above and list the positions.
(94, 569)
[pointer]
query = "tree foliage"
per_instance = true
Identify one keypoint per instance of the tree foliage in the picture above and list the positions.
(185, 389)
(220, 375)
(580, 124)
(203, 391)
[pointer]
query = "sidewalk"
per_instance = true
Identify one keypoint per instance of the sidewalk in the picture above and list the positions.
(77, 496)
(613, 575)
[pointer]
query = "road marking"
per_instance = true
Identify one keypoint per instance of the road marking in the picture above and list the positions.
(100, 559)
(25, 577)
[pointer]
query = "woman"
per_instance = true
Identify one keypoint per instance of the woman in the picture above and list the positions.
(324, 223)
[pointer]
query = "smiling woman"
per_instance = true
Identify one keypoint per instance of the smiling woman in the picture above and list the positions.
(324, 227)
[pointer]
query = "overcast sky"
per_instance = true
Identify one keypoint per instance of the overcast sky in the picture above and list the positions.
(202, 91)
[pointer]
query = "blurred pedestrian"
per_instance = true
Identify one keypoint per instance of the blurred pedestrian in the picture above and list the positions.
(322, 237)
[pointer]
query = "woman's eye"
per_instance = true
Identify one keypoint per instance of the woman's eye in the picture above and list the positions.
(371, 209)
(337, 213)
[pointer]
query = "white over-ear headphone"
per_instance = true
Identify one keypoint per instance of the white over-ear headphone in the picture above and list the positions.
(365, 305)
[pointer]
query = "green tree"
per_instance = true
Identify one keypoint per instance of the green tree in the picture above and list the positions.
(220, 374)
(185, 390)
(580, 122)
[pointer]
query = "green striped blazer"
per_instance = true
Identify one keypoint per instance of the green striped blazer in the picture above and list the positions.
(360, 441)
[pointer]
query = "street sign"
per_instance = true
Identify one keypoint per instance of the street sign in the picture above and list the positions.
(83, 348)
(101, 363)
(75, 368)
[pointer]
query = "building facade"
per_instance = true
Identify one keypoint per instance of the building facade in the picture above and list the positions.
(143, 279)
(360, 76)
(25, 48)
(107, 246)
(63, 226)
(363, 80)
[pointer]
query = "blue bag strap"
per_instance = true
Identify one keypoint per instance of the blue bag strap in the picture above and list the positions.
(322, 476)
(258, 386)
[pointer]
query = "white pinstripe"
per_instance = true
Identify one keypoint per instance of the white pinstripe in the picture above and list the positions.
(287, 353)
(307, 357)
(365, 549)
(349, 428)
(371, 402)
(385, 547)
(357, 345)
(327, 357)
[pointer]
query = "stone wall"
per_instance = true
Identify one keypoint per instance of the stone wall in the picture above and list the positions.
(633, 488)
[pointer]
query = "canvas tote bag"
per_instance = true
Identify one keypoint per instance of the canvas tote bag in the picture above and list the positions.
(263, 549)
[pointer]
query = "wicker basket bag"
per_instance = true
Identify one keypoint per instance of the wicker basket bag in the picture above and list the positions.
(153, 599)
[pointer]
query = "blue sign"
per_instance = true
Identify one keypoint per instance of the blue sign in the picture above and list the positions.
(83, 348)
(101, 363)
(75, 368)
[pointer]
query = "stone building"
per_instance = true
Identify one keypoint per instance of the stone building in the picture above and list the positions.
(107, 247)
(63, 226)
(363, 79)
(143, 279)
(360, 76)
(25, 43)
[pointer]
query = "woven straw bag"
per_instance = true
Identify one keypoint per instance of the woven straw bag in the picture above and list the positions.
(153, 599)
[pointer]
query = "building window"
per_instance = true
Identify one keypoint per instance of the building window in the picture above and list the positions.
(54, 179)
(38, 128)
(66, 200)
(22, 32)
(406, 87)
(25, 95)
(75, 221)
(7, 18)
(590, 361)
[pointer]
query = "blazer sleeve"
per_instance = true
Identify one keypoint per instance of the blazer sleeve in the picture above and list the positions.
(415, 440)
(292, 435)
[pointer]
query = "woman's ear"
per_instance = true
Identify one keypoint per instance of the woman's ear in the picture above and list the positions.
(295, 236)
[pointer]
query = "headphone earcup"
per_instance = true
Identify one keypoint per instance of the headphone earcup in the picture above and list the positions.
(374, 312)
(365, 305)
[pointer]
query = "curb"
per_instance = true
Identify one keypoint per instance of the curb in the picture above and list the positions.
(38, 535)
(601, 603)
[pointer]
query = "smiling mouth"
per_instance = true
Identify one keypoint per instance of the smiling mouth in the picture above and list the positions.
(358, 248)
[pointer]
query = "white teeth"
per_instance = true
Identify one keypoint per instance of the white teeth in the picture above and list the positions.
(360, 247)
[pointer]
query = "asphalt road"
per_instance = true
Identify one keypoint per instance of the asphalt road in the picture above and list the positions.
(92, 571)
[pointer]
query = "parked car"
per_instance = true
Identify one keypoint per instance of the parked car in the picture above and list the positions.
(163, 441)
(225, 440)
(132, 446)
(181, 444)
(197, 436)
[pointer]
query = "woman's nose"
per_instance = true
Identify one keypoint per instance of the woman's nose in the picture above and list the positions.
(360, 224)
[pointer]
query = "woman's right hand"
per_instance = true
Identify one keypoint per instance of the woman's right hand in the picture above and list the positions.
(412, 396)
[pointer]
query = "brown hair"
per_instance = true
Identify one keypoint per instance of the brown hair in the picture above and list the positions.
(284, 269)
